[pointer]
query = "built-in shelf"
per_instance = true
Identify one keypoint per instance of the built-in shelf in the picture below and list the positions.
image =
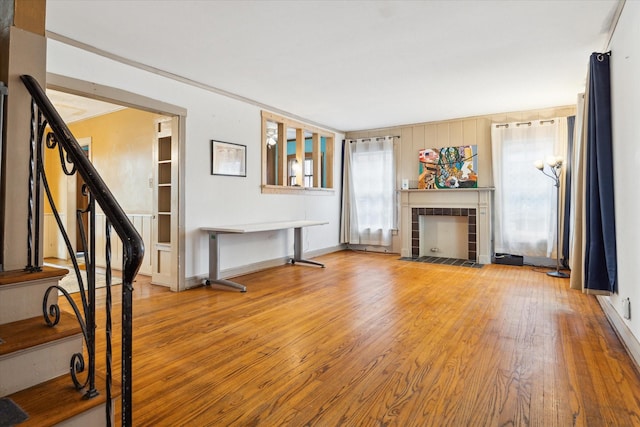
(164, 148)
(164, 186)
(165, 204)
(164, 198)
(164, 228)
(164, 173)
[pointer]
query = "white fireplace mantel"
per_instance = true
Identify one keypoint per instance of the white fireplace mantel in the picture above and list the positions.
(480, 199)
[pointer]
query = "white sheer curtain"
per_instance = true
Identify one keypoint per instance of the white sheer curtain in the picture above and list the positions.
(525, 199)
(369, 192)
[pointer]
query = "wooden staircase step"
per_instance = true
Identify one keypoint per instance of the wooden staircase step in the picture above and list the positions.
(20, 276)
(34, 331)
(21, 293)
(56, 401)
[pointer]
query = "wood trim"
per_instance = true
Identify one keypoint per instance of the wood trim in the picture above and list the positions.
(302, 130)
(140, 102)
(295, 124)
(279, 189)
(21, 276)
(283, 166)
(112, 95)
(27, 333)
(46, 408)
(329, 154)
(29, 15)
(316, 157)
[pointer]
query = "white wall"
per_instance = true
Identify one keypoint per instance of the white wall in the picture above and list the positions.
(215, 200)
(625, 96)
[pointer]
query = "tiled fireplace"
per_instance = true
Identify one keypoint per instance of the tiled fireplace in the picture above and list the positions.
(470, 213)
(473, 204)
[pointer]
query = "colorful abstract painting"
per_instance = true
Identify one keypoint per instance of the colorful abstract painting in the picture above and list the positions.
(448, 167)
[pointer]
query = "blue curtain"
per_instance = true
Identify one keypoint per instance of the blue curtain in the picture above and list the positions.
(600, 254)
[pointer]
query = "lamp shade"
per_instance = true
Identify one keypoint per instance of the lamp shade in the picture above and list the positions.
(554, 161)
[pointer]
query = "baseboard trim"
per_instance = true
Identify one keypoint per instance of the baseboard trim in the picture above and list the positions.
(621, 329)
(371, 248)
(195, 281)
(324, 251)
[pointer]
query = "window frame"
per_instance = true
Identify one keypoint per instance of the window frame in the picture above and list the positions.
(319, 158)
(305, 175)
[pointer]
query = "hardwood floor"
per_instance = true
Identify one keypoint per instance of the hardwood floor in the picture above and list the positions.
(373, 341)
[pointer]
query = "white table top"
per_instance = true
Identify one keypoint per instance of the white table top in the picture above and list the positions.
(264, 226)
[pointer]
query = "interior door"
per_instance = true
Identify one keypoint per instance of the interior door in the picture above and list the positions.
(164, 250)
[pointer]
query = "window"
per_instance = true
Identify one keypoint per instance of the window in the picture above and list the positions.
(524, 199)
(296, 157)
(308, 171)
(370, 191)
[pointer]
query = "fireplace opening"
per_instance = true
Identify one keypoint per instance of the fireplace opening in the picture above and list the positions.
(443, 236)
(462, 245)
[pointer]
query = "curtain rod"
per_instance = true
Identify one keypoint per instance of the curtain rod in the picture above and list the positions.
(506, 125)
(376, 138)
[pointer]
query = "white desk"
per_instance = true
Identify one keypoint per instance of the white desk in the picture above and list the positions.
(214, 245)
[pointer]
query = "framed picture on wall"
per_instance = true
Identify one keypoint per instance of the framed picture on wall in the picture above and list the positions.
(228, 158)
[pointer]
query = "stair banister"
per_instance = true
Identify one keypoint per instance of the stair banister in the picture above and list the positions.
(132, 243)
(3, 94)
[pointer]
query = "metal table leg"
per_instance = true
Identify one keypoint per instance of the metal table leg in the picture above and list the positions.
(214, 265)
(297, 249)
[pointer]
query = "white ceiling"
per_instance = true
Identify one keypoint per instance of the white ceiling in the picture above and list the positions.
(353, 65)
(74, 108)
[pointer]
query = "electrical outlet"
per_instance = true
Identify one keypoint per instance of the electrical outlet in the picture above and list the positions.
(626, 308)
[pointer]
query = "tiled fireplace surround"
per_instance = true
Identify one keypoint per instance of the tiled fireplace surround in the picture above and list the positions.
(470, 213)
(475, 204)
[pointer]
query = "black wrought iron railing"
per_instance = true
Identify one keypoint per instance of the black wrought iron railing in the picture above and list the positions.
(45, 118)
(3, 94)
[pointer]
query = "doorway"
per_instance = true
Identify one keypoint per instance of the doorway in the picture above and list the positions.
(126, 167)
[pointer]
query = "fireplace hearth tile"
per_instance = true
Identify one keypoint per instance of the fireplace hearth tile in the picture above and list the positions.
(446, 261)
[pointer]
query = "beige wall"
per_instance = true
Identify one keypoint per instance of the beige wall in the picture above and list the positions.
(122, 153)
(57, 181)
(464, 131)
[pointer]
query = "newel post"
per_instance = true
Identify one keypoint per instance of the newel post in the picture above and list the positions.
(22, 51)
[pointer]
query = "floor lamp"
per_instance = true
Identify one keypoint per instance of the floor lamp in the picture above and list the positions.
(555, 164)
